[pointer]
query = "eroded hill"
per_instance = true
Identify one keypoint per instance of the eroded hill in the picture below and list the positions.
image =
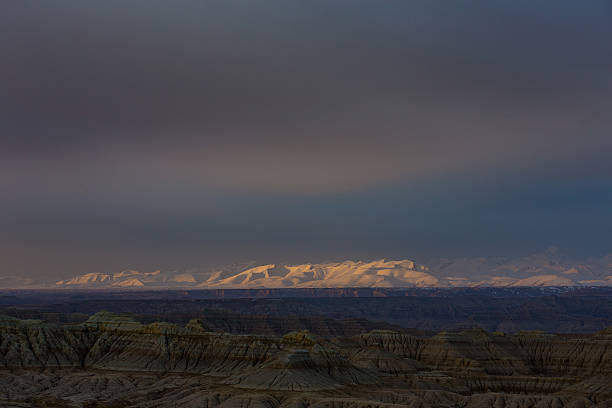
(114, 361)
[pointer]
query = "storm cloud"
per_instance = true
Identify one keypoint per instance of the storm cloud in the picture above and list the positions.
(253, 127)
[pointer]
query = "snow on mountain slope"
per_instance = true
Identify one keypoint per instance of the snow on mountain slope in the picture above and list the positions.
(86, 279)
(508, 270)
(379, 273)
(544, 280)
(547, 268)
(129, 283)
(124, 278)
(549, 262)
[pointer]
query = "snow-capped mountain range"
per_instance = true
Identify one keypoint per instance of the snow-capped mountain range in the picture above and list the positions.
(548, 268)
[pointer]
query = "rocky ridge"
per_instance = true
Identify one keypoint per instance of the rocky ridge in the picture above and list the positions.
(114, 359)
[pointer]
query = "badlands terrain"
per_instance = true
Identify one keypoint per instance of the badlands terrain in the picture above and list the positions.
(529, 332)
(548, 268)
(111, 360)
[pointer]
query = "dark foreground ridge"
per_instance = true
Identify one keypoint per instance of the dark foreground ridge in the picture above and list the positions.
(114, 361)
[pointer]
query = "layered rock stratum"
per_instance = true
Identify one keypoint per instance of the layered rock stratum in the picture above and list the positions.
(114, 361)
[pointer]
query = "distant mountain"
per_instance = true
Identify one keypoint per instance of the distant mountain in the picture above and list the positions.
(127, 278)
(379, 273)
(547, 268)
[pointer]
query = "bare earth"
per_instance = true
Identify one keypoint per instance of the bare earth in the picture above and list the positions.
(113, 361)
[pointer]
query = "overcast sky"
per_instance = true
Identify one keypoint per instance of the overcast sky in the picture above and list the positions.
(154, 134)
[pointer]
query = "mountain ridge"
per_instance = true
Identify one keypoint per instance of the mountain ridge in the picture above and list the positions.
(547, 268)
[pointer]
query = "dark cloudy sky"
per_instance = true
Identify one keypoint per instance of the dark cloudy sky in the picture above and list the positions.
(152, 134)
